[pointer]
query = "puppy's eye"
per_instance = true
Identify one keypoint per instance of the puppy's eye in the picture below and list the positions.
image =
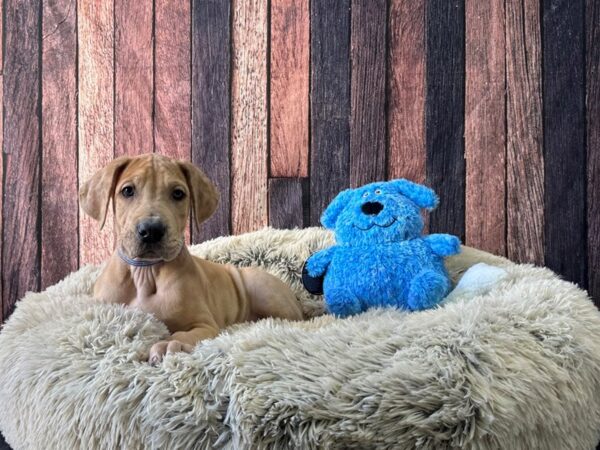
(178, 194)
(366, 194)
(378, 191)
(128, 191)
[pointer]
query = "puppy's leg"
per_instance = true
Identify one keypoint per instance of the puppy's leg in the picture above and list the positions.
(181, 341)
(269, 296)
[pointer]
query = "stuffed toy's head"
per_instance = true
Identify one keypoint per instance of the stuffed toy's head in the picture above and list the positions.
(379, 212)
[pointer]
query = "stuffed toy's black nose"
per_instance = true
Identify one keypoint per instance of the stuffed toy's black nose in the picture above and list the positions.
(150, 230)
(371, 208)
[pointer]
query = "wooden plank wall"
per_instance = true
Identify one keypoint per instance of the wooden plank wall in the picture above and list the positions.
(286, 102)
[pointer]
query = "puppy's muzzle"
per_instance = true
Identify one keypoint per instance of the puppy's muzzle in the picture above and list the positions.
(150, 231)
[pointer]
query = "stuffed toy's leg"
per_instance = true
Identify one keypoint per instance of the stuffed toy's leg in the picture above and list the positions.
(477, 280)
(427, 289)
(342, 302)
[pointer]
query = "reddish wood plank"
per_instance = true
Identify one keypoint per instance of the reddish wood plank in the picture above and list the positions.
(285, 203)
(172, 126)
(22, 153)
(524, 153)
(406, 90)
(484, 126)
(290, 36)
(134, 88)
(59, 209)
(211, 55)
(95, 43)
(249, 116)
(593, 146)
(367, 92)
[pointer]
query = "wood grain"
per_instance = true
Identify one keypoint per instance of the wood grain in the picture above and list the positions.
(172, 102)
(524, 133)
(485, 138)
(211, 42)
(444, 113)
(22, 152)
(96, 108)
(289, 76)
(2, 298)
(330, 103)
(285, 203)
(249, 116)
(134, 84)
(593, 145)
(563, 40)
(406, 90)
(367, 117)
(59, 207)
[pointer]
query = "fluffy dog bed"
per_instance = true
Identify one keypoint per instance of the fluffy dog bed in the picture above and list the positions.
(515, 368)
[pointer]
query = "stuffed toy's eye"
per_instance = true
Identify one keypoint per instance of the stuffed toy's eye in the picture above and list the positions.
(178, 194)
(378, 191)
(366, 194)
(127, 191)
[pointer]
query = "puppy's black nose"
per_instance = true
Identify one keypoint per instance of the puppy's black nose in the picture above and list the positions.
(371, 208)
(150, 231)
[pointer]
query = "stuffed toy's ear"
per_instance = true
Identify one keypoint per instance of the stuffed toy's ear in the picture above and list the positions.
(422, 196)
(331, 213)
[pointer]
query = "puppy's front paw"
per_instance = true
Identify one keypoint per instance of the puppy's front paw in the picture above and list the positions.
(161, 348)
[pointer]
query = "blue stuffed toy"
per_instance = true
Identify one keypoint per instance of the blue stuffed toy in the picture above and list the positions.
(380, 257)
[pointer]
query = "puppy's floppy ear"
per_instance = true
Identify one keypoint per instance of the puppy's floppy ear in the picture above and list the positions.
(335, 208)
(203, 193)
(95, 193)
(422, 196)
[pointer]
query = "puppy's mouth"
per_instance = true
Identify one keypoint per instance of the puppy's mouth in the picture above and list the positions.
(165, 251)
(385, 225)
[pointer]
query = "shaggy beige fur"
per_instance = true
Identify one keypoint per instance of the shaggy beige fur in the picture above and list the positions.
(516, 368)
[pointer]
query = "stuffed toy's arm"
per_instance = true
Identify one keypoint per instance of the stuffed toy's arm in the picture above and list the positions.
(443, 244)
(317, 263)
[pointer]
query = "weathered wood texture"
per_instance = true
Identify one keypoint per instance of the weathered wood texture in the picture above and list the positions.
(59, 207)
(485, 150)
(211, 42)
(96, 114)
(134, 77)
(524, 134)
(444, 113)
(593, 145)
(285, 203)
(367, 92)
(329, 103)
(563, 40)
(289, 75)
(1, 166)
(22, 152)
(249, 116)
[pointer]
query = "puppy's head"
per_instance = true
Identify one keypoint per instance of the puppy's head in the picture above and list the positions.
(152, 196)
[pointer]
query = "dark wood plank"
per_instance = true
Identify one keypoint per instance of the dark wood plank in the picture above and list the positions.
(249, 209)
(285, 203)
(210, 105)
(330, 102)
(563, 43)
(524, 134)
(289, 74)
(593, 145)
(367, 118)
(2, 317)
(134, 87)
(22, 152)
(485, 137)
(59, 206)
(96, 114)
(444, 112)
(406, 90)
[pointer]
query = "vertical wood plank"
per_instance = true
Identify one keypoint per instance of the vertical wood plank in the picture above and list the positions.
(210, 105)
(290, 52)
(367, 118)
(172, 103)
(444, 113)
(134, 88)
(330, 102)
(406, 90)
(485, 138)
(524, 157)
(593, 145)
(249, 116)
(563, 43)
(2, 316)
(95, 128)
(22, 153)
(285, 203)
(59, 206)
